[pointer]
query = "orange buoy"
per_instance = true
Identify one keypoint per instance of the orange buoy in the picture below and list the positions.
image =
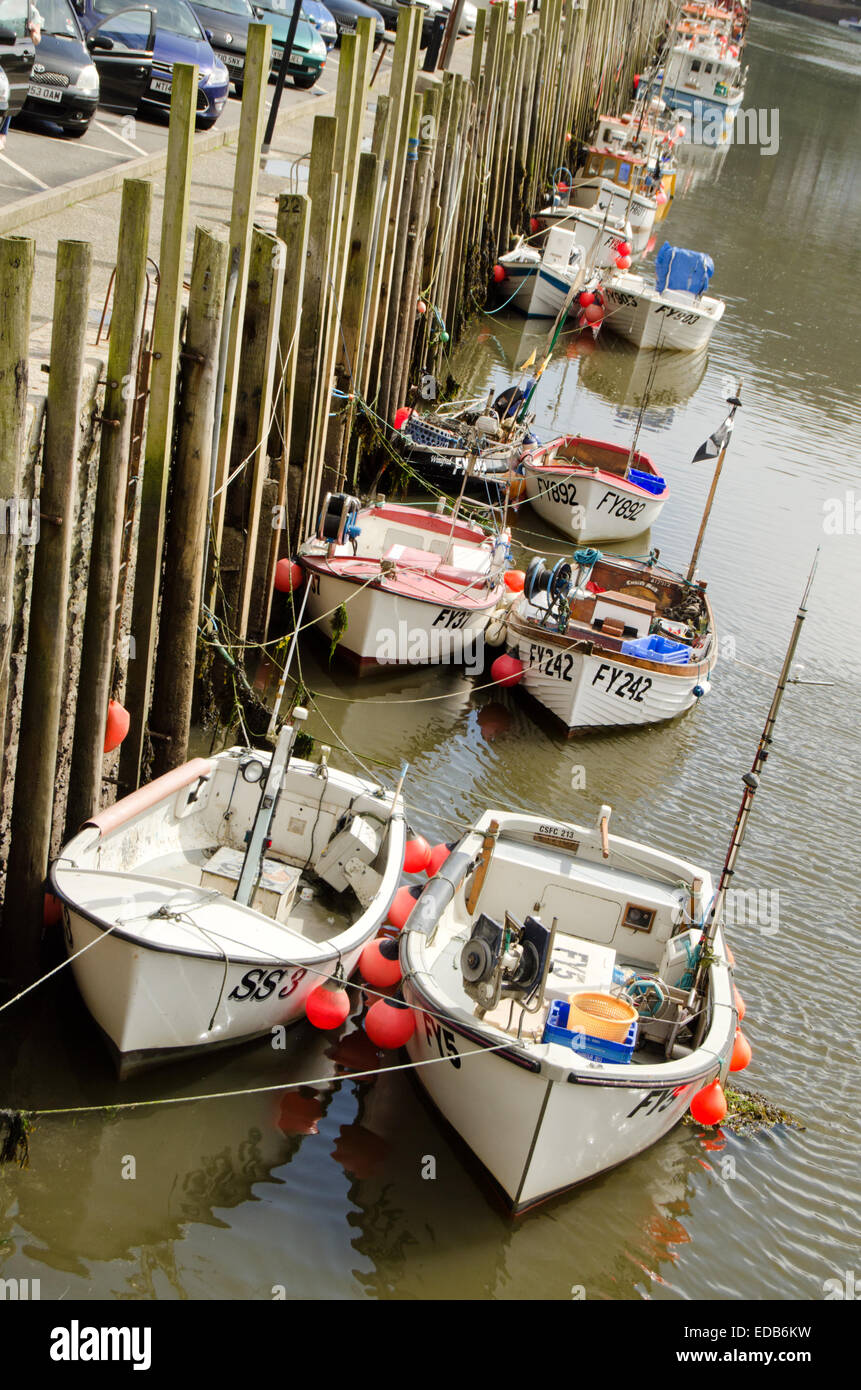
(593, 314)
(389, 1023)
(328, 1005)
(52, 910)
(116, 725)
(708, 1106)
(421, 307)
(623, 262)
(740, 1006)
(499, 273)
(402, 905)
(416, 855)
(741, 1052)
(402, 414)
(288, 576)
(624, 248)
(535, 225)
(438, 855)
(379, 962)
(515, 580)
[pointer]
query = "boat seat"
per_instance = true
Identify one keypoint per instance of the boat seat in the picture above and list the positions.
(407, 555)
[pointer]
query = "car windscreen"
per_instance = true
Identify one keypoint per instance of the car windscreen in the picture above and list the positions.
(240, 7)
(171, 15)
(58, 17)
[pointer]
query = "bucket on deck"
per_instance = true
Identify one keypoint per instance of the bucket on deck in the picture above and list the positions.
(601, 1016)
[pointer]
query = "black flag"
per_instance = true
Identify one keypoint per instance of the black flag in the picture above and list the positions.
(720, 438)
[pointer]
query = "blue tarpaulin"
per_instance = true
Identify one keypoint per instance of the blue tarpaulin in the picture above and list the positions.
(676, 269)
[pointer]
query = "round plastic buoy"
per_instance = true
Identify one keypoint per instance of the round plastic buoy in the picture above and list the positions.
(534, 225)
(52, 910)
(380, 964)
(402, 414)
(741, 1052)
(514, 580)
(708, 1106)
(506, 670)
(389, 1023)
(624, 248)
(593, 313)
(288, 576)
(740, 1006)
(586, 298)
(499, 273)
(421, 307)
(438, 855)
(402, 905)
(623, 262)
(416, 855)
(116, 725)
(327, 1006)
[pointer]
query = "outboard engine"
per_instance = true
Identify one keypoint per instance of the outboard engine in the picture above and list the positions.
(506, 962)
(338, 518)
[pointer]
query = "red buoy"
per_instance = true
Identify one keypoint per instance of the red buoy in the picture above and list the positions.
(438, 855)
(380, 964)
(421, 307)
(288, 576)
(499, 273)
(402, 905)
(741, 1052)
(535, 224)
(389, 1023)
(515, 580)
(416, 855)
(708, 1106)
(586, 298)
(402, 414)
(623, 262)
(561, 188)
(116, 725)
(593, 313)
(52, 910)
(624, 248)
(328, 1005)
(740, 1006)
(506, 670)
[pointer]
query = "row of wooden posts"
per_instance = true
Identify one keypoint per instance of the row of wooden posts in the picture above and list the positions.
(235, 402)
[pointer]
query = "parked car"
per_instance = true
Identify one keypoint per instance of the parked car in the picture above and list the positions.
(319, 17)
(64, 80)
(4, 96)
(345, 13)
(17, 52)
(391, 9)
(227, 21)
(167, 32)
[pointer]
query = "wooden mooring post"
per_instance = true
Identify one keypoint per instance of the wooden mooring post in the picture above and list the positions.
(44, 683)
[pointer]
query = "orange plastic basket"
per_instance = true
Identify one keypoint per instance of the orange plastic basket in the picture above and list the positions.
(600, 1016)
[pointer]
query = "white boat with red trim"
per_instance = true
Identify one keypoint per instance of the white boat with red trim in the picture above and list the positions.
(417, 586)
(589, 490)
(202, 909)
(525, 912)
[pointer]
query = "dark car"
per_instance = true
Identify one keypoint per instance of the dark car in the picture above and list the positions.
(165, 32)
(227, 21)
(344, 12)
(64, 80)
(17, 52)
(391, 10)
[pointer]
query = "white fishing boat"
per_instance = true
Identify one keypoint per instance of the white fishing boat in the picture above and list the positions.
(617, 184)
(202, 909)
(612, 643)
(704, 76)
(538, 282)
(593, 491)
(417, 586)
(527, 912)
(596, 233)
(673, 313)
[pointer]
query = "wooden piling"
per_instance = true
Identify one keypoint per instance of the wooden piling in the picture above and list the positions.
(183, 581)
(100, 624)
(17, 259)
(32, 807)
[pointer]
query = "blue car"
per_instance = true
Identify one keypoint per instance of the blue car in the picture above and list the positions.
(170, 32)
(322, 19)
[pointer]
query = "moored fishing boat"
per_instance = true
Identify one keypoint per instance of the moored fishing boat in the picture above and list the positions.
(673, 313)
(418, 586)
(608, 642)
(526, 913)
(596, 232)
(617, 183)
(538, 282)
(593, 491)
(202, 909)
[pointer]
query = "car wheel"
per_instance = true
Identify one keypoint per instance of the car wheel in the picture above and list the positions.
(237, 87)
(306, 80)
(206, 122)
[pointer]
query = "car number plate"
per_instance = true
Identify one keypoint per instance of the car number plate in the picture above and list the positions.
(158, 85)
(233, 60)
(35, 89)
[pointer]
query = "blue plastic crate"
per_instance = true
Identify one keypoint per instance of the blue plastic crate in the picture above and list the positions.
(657, 648)
(649, 482)
(597, 1049)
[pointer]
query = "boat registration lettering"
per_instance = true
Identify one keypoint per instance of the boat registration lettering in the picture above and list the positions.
(654, 1102)
(559, 491)
(451, 619)
(558, 664)
(625, 508)
(444, 1039)
(626, 301)
(678, 314)
(557, 835)
(622, 682)
(259, 983)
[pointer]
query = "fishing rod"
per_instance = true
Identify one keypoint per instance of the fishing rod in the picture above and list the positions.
(751, 783)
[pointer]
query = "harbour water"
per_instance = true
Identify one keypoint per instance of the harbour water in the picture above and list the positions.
(352, 1189)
